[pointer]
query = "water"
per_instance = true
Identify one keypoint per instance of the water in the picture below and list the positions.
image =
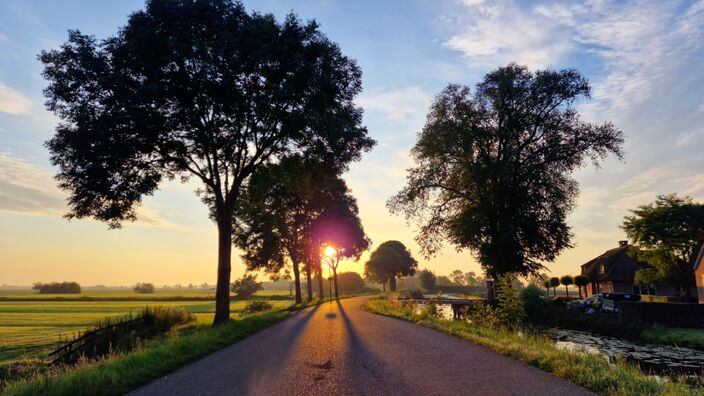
(656, 359)
(652, 358)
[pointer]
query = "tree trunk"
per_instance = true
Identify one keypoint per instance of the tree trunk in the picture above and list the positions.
(334, 278)
(222, 291)
(383, 285)
(321, 288)
(567, 291)
(309, 285)
(392, 283)
(296, 280)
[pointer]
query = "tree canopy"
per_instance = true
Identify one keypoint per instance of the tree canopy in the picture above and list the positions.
(390, 260)
(196, 89)
(666, 235)
(493, 167)
(277, 211)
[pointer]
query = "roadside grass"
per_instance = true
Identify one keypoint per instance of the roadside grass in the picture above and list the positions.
(119, 374)
(592, 372)
(31, 329)
(691, 338)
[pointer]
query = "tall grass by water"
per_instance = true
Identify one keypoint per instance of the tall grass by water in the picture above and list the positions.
(589, 371)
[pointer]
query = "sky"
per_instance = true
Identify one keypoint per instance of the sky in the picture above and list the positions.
(644, 59)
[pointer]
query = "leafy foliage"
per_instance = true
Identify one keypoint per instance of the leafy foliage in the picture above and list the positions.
(566, 281)
(493, 167)
(427, 280)
(196, 89)
(256, 306)
(246, 286)
(510, 312)
(277, 212)
(390, 260)
(667, 234)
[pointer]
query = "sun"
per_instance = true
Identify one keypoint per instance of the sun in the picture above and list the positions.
(329, 251)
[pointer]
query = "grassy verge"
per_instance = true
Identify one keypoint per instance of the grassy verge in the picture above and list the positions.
(121, 373)
(691, 338)
(589, 371)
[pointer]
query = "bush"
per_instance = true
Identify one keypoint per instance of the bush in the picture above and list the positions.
(533, 302)
(144, 288)
(246, 286)
(57, 288)
(510, 311)
(349, 282)
(122, 334)
(257, 306)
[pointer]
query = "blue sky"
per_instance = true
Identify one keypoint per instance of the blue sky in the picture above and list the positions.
(645, 61)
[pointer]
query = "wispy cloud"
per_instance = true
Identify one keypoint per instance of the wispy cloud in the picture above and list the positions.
(397, 105)
(27, 189)
(13, 101)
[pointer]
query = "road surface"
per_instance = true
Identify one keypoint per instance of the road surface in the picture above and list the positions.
(338, 349)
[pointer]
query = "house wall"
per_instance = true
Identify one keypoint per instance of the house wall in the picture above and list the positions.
(699, 276)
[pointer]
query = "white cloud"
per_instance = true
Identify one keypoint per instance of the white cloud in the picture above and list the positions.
(397, 105)
(30, 190)
(502, 32)
(12, 101)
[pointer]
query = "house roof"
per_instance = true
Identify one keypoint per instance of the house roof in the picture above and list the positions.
(700, 255)
(618, 266)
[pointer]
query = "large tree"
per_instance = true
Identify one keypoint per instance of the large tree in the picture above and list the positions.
(389, 261)
(196, 88)
(493, 167)
(277, 210)
(667, 234)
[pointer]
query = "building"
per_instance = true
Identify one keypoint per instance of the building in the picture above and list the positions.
(699, 273)
(612, 272)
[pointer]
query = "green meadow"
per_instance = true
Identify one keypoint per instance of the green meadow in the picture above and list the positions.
(31, 328)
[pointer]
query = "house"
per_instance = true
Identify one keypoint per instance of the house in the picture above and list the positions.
(612, 272)
(699, 272)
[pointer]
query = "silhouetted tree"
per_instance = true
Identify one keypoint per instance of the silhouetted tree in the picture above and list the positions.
(339, 226)
(277, 210)
(493, 167)
(427, 280)
(566, 281)
(581, 282)
(246, 286)
(144, 288)
(196, 89)
(391, 259)
(547, 285)
(667, 234)
(554, 282)
(57, 288)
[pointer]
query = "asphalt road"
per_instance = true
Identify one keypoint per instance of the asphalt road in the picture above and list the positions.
(338, 349)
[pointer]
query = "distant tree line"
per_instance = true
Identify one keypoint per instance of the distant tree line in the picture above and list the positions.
(57, 288)
(144, 288)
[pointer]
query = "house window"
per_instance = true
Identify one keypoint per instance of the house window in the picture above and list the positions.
(601, 268)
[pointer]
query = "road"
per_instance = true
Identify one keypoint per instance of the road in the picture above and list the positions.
(338, 349)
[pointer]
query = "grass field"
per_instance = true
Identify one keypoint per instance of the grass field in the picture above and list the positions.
(31, 329)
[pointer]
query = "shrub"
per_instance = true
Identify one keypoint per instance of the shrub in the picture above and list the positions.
(510, 311)
(257, 306)
(143, 288)
(121, 334)
(246, 286)
(57, 288)
(348, 282)
(533, 302)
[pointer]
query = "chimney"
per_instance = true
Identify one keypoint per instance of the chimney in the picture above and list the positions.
(622, 243)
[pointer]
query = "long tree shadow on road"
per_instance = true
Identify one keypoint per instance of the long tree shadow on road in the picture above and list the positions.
(358, 355)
